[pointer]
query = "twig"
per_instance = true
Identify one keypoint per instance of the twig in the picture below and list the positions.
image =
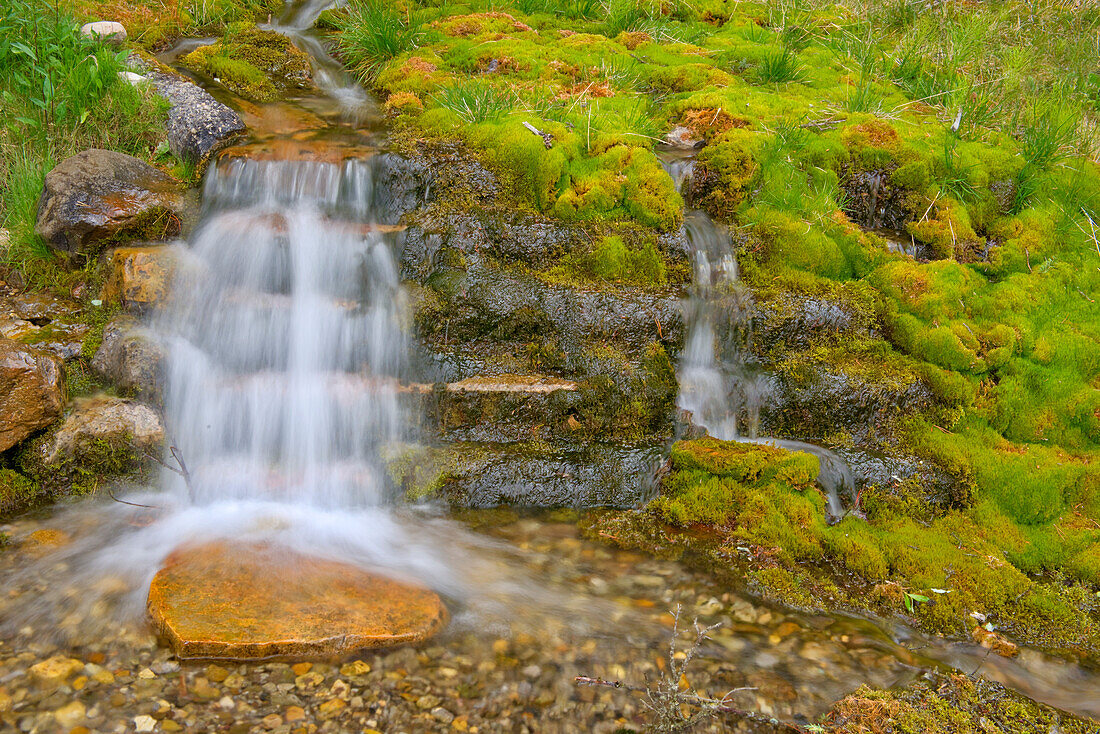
(547, 138)
(181, 469)
(664, 699)
(111, 494)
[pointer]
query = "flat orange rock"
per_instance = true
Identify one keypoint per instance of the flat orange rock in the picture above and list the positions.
(248, 601)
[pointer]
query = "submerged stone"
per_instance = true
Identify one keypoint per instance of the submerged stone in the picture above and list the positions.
(248, 601)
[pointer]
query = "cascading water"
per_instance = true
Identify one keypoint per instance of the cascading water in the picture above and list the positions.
(286, 338)
(719, 386)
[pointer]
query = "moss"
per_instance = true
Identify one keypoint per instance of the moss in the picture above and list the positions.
(253, 63)
(17, 492)
(624, 400)
(612, 261)
(948, 704)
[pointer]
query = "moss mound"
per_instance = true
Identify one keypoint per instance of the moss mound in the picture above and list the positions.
(253, 63)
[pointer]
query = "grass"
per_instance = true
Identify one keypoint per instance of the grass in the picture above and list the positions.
(374, 32)
(60, 94)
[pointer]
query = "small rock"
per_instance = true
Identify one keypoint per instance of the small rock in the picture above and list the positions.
(442, 715)
(131, 78)
(70, 715)
(272, 721)
(996, 642)
(216, 673)
(427, 702)
(682, 137)
(104, 30)
(532, 671)
(144, 723)
(301, 668)
(294, 713)
(331, 708)
(354, 668)
(146, 674)
(56, 670)
(227, 703)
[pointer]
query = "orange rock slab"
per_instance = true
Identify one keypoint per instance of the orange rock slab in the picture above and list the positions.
(250, 601)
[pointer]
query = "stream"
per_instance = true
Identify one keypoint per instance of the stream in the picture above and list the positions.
(286, 333)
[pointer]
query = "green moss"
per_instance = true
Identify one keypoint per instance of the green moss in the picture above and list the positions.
(942, 704)
(612, 261)
(253, 63)
(17, 492)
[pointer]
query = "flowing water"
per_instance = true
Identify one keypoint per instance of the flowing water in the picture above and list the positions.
(287, 336)
(720, 383)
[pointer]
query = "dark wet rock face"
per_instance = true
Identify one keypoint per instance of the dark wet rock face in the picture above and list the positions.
(32, 391)
(530, 473)
(822, 402)
(874, 202)
(198, 124)
(99, 196)
(130, 359)
(402, 184)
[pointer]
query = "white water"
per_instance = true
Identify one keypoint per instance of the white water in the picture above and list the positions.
(285, 334)
(718, 386)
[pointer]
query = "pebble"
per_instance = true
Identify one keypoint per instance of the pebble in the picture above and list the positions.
(513, 674)
(70, 714)
(144, 723)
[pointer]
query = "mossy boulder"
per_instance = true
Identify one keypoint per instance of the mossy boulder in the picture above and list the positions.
(99, 197)
(100, 439)
(256, 64)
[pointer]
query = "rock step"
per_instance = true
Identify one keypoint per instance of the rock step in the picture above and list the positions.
(238, 601)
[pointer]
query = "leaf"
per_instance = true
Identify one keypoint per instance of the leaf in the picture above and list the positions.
(162, 149)
(24, 49)
(918, 597)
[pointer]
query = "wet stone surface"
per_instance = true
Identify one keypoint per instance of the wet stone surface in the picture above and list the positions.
(511, 673)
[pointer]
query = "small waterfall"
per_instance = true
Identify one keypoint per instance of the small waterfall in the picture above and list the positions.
(719, 384)
(286, 337)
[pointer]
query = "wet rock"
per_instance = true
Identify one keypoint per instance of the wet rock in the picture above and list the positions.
(99, 196)
(138, 277)
(55, 670)
(198, 125)
(528, 474)
(401, 185)
(32, 391)
(52, 324)
(104, 30)
(239, 601)
(683, 138)
(95, 423)
(479, 299)
(70, 715)
(502, 408)
(130, 359)
(818, 401)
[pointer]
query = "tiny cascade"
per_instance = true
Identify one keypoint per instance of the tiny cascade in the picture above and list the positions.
(720, 384)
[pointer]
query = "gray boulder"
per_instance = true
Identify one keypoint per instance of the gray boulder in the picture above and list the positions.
(198, 125)
(130, 359)
(99, 196)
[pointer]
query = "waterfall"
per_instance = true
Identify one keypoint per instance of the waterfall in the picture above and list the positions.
(286, 339)
(719, 384)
